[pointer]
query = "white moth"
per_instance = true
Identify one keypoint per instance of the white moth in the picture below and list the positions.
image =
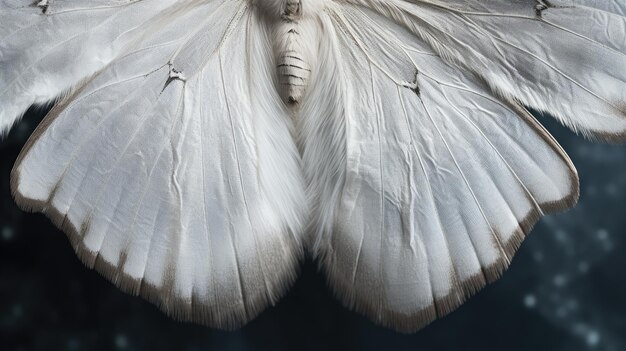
(198, 146)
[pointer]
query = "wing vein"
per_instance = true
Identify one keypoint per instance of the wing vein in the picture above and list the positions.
(465, 181)
(508, 165)
(205, 218)
(455, 276)
(575, 82)
(86, 137)
(242, 189)
(144, 191)
(381, 168)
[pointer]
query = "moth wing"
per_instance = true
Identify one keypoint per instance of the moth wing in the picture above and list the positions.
(46, 48)
(428, 183)
(173, 171)
(564, 57)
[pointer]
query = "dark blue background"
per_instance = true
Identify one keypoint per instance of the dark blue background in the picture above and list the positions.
(566, 288)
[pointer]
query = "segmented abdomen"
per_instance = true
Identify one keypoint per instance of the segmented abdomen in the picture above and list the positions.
(293, 75)
(293, 69)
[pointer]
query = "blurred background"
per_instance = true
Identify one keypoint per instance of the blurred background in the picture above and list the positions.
(565, 290)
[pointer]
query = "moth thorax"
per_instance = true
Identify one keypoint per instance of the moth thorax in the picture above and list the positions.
(292, 10)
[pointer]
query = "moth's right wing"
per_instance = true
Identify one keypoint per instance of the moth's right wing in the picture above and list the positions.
(173, 170)
(424, 182)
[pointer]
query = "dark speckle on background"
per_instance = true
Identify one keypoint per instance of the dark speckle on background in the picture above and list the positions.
(566, 288)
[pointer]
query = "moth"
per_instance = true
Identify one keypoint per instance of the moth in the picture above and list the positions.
(199, 149)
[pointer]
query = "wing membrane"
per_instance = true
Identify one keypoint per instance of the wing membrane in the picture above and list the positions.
(173, 170)
(440, 181)
(566, 58)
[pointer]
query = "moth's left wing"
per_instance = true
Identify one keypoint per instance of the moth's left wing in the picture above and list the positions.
(173, 170)
(427, 182)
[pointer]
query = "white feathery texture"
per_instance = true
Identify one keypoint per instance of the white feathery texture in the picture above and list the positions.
(173, 170)
(199, 144)
(565, 57)
(46, 50)
(437, 194)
